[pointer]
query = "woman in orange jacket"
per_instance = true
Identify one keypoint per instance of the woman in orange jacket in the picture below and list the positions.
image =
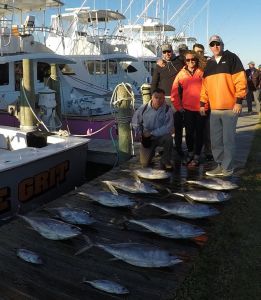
(185, 95)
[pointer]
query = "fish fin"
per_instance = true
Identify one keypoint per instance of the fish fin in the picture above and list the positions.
(113, 259)
(89, 245)
(136, 177)
(111, 187)
(167, 214)
(179, 194)
(200, 240)
(189, 199)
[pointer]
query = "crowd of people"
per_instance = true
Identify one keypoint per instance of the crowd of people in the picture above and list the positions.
(206, 95)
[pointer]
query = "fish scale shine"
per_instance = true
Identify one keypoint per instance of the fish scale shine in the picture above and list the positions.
(72, 215)
(170, 228)
(214, 183)
(53, 229)
(141, 255)
(187, 210)
(109, 199)
(132, 186)
(108, 286)
(29, 256)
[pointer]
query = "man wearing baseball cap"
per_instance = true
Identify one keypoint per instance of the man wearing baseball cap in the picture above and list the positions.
(254, 84)
(163, 76)
(224, 86)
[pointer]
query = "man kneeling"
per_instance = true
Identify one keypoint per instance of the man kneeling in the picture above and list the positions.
(153, 124)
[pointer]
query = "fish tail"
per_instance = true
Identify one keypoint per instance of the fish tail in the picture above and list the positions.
(111, 187)
(200, 240)
(89, 245)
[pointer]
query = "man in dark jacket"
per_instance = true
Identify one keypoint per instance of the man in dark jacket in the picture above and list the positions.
(163, 76)
(166, 71)
(254, 84)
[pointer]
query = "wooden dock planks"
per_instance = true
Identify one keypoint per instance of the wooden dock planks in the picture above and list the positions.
(61, 275)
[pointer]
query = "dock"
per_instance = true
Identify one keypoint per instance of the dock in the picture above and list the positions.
(62, 273)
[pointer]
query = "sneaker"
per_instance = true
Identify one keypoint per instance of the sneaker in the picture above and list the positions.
(226, 173)
(218, 171)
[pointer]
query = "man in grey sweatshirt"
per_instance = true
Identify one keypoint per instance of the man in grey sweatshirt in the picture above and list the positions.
(153, 125)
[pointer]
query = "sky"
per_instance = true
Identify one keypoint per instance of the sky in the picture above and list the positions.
(237, 22)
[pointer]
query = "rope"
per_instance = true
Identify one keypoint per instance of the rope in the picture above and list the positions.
(32, 110)
(90, 133)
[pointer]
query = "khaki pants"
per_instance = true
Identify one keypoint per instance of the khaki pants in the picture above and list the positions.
(147, 154)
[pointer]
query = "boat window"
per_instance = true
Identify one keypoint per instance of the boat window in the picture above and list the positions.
(96, 67)
(150, 66)
(4, 74)
(128, 68)
(43, 71)
(67, 70)
(112, 67)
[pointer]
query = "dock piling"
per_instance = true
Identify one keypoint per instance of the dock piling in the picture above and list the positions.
(26, 116)
(123, 94)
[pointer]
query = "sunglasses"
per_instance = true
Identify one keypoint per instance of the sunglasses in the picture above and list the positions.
(190, 59)
(212, 44)
(166, 51)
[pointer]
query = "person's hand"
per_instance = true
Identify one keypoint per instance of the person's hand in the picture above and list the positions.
(237, 108)
(202, 111)
(146, 133)
(161, 63)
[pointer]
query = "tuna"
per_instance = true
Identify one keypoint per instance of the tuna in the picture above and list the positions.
(72, 215)
(108, 286)
(149, 173)
(53, 229)
(214, 184)
(205, 196)
(109, 199)
(130, 185)
(139, 255)
(187, 210)
(29, 256)
(170, 228)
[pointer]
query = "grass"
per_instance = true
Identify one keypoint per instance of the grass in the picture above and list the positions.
(229, 266)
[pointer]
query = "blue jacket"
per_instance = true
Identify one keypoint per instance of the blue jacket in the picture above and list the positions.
(157, 122)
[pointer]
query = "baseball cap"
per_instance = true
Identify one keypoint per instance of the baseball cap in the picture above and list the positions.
(183, 47)
(215, 38)
(166, 47)
(251, 63)
(259, 66)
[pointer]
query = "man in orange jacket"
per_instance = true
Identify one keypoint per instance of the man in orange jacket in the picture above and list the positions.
(224, 86)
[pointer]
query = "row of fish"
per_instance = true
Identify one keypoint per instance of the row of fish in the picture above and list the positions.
(136, 254)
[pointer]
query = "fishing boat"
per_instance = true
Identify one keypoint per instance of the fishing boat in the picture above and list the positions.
(37, 163)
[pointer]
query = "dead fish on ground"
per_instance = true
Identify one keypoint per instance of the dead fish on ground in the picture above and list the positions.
(109, 199)
(187, 210)
(130, 185)
(108, 286)
(136, 254)
(29, 256)
(149, 173)
(72, 215)
(53, 229)
(214, 184)
(205, 196)
(170, 228)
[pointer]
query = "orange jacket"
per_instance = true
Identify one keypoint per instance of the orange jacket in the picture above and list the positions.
(185, 92)
(224, 83)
